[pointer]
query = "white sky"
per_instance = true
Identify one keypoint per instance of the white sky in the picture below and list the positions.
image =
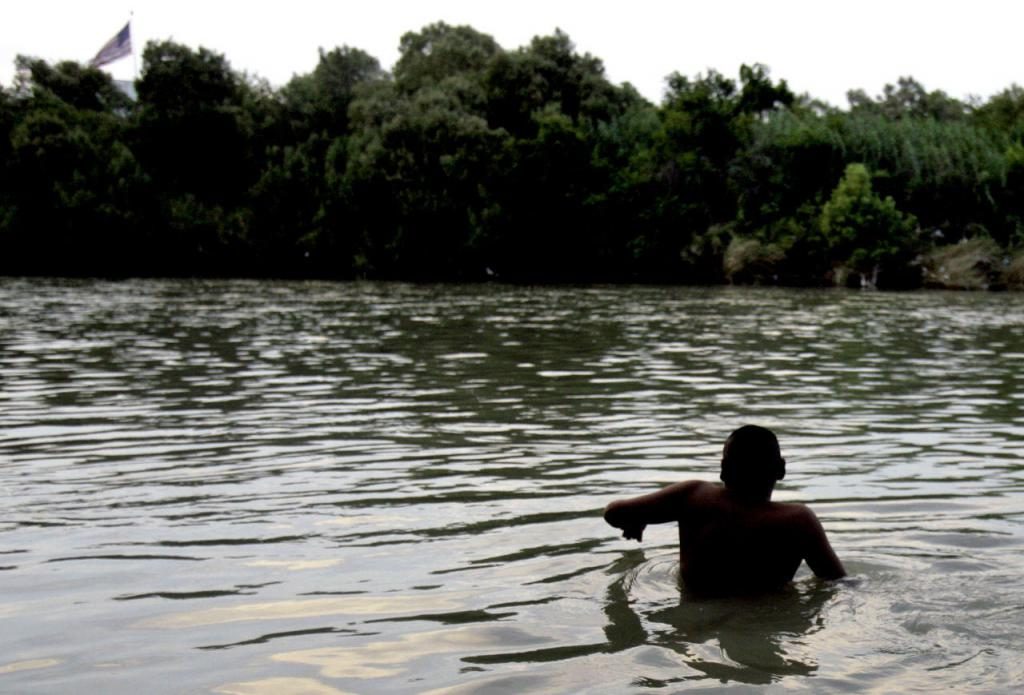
(819, 46)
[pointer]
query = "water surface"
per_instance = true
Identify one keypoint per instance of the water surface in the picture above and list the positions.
(241, 487)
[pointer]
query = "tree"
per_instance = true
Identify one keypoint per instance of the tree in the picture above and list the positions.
(567, 124)
(790, 160)
(69, 175)
(865, 233)
(192, 128)
(194, 138)
(440, 52)
(758, 94)
(708, 123)
(8, 117)
(418, 177)
(1011, 196)
(944, 172)
(1003, 113)
(77, 86)
(300, 223)
(908, 99)
(319, 102)
(473, 160)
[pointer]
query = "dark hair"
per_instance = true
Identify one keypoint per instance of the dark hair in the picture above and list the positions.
(751, 460)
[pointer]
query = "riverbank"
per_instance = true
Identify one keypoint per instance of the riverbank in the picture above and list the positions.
(471, 162)
(977, 264)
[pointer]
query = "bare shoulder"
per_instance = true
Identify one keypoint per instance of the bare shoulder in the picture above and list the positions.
(703, 492)
(686, 491)
(699, 488)
(795, 510)
(798, 515)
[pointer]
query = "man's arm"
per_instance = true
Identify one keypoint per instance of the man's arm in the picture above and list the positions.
(632, 515)
(818, 552)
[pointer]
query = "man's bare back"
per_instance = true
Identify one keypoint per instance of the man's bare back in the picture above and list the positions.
(732, 538)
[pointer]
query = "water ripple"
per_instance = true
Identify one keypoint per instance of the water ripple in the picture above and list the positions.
(240, 486)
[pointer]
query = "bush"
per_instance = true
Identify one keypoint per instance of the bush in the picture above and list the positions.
(972, 264)
(866, 234)
(749, 261)
(1013, 275)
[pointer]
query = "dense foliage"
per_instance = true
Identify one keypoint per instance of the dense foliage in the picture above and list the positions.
(471, 161)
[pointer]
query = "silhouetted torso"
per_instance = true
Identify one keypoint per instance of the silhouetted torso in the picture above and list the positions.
(729, 545)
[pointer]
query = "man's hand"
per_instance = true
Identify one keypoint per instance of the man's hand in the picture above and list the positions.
(634, 532)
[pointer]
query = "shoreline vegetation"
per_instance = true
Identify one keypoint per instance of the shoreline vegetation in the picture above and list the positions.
(472, 162)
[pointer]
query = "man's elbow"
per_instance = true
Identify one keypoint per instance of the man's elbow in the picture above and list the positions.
(831, 573)
(838, 571)
(613, 514)
(828, 567)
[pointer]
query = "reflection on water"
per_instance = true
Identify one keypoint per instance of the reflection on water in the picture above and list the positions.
(242, 487)
(306, 608)
(755, 640)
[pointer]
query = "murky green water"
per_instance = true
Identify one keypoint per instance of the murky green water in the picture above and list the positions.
(240, 487)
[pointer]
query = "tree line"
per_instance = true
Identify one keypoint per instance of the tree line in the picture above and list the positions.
(470, 161)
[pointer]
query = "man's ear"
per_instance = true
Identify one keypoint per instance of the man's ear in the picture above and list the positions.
(782, 468)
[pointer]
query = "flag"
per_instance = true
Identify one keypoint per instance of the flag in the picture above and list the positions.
(117, 47)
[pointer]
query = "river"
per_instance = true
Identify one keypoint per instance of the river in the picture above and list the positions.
(282, 487)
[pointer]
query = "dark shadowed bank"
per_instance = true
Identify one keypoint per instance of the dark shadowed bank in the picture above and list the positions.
(470, 161)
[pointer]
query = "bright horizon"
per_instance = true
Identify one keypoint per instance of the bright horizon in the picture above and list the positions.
(823, 49)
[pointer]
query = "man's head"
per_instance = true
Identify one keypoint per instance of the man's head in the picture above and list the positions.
(752, 462)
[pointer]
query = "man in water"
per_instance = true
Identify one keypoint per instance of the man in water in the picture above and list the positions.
(733, 539)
